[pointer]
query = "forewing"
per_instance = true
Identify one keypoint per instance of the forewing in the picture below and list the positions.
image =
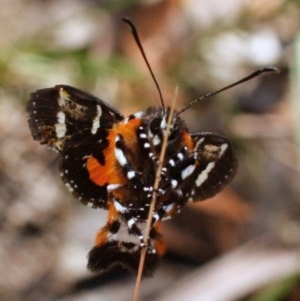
(56, 114)
(216, 166)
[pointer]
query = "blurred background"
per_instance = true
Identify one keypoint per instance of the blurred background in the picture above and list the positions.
(241, 245)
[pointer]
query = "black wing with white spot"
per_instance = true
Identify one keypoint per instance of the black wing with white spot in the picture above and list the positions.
(215, 166)
(58, 113)
(74, 123)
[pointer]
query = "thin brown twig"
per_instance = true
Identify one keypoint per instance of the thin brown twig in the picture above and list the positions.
(153, 201)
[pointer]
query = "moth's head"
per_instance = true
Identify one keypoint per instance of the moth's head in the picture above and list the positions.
(156, 121)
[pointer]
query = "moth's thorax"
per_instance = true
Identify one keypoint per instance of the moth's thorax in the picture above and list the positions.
(131, 159)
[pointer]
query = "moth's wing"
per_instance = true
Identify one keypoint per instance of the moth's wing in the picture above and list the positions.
(74, 123)
(216, 165)
(74, 172)
(56, 114)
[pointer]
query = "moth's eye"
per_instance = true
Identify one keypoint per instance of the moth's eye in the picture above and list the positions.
(155, 125)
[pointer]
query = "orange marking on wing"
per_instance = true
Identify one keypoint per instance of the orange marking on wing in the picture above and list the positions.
(113, 214)
(102, 236)
(159, 245)
(187, 140)
(109, 173)
(128, 131)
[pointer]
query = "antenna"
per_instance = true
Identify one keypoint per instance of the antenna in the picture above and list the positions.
(250, 76)
(138, 41)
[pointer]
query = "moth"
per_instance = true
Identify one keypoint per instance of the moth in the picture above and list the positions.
(109, 161)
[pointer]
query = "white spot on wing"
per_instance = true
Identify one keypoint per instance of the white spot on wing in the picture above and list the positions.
(223, 148)
(199, 142)
(90, 204)
(63, 96)
(69, 187)
(120, 155)
(204, 174)
(96, 120)
(187, 171)
(60, 126)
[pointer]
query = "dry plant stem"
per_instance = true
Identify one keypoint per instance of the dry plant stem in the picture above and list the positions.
(153, 201)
